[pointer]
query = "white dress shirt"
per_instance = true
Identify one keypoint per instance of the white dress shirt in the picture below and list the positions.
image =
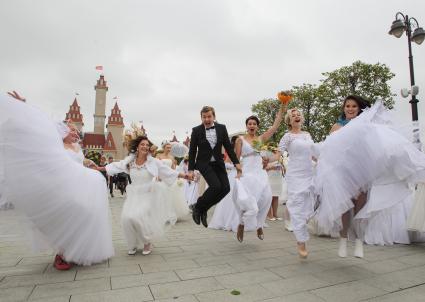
(211, 136)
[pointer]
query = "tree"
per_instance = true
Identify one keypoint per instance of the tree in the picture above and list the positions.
(321, 105)
(370, 81)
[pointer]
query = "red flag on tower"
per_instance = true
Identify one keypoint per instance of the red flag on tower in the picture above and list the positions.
(99, 67)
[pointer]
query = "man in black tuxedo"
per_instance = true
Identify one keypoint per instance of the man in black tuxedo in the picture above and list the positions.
(205, 155)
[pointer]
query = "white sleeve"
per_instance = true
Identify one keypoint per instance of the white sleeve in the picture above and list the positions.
(119, 166)
(165, 173)
(284, 143)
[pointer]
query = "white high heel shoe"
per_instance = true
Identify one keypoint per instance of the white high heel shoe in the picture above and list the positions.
(358, 249)
(132, 252)
(147, 249)
(342, 250)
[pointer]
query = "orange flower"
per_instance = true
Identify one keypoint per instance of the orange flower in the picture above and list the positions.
(284, 97)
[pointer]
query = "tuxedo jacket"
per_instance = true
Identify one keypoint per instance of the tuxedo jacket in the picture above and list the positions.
(200, 151)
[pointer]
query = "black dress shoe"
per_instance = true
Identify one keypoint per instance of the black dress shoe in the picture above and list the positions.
(204, 219)
(196, 216)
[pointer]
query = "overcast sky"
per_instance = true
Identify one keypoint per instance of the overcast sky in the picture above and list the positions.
(166, 59)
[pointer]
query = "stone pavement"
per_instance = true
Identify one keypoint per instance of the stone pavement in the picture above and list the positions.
(197, 264)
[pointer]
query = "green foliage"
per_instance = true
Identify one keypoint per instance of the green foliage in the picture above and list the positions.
(321, 105)
(94, 156)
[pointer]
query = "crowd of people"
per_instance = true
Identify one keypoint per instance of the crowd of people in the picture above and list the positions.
(359, 183)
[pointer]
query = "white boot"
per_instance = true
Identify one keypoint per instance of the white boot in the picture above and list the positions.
(358, 249)
(342, 251)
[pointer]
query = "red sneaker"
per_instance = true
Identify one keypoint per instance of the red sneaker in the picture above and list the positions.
(61, 264)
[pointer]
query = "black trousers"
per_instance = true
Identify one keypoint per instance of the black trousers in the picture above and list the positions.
(215, 175)
(111, 184)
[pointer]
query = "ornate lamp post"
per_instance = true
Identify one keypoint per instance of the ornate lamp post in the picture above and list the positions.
(404, 23)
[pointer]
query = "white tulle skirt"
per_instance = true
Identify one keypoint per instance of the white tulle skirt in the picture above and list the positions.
(357, 155)
(229, 212)
(146, 213)
(225, 215)
(64, 201)
(255, 182)
(386, 225)
(176, 196)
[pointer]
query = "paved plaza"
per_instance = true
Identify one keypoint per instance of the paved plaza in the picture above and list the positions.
(196, 264)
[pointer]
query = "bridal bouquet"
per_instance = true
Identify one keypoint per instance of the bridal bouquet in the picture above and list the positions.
(284, 97)
(265, 150)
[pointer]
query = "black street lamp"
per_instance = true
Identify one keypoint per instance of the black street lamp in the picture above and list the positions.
(401, 24)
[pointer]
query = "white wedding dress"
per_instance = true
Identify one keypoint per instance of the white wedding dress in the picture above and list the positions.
(367, 153)
(176, 194)
(299, 179)
(255, 182)
(65, 203)
(147, 209)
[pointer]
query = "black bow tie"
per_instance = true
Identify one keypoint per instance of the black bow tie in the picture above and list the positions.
(213, 127)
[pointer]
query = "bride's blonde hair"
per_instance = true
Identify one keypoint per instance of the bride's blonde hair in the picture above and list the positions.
(289, 114)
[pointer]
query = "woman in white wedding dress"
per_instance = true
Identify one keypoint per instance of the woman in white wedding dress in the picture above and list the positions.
(351, 108)
(369, 152)
(254, 178)
(146, 210)
(175, 192)
(299, 176)
(65, 203)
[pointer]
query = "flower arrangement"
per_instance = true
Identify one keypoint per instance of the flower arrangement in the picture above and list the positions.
(265, 149)
(284, 97)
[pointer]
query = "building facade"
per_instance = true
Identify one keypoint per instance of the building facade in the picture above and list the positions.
(108, 141)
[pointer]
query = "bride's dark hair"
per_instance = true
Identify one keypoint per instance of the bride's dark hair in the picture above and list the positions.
(254, 118)
(361, 103)
(134, 143)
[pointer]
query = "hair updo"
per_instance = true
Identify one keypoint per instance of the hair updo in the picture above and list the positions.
(253, 118)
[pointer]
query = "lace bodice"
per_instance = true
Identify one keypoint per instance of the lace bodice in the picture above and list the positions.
(300, 149)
